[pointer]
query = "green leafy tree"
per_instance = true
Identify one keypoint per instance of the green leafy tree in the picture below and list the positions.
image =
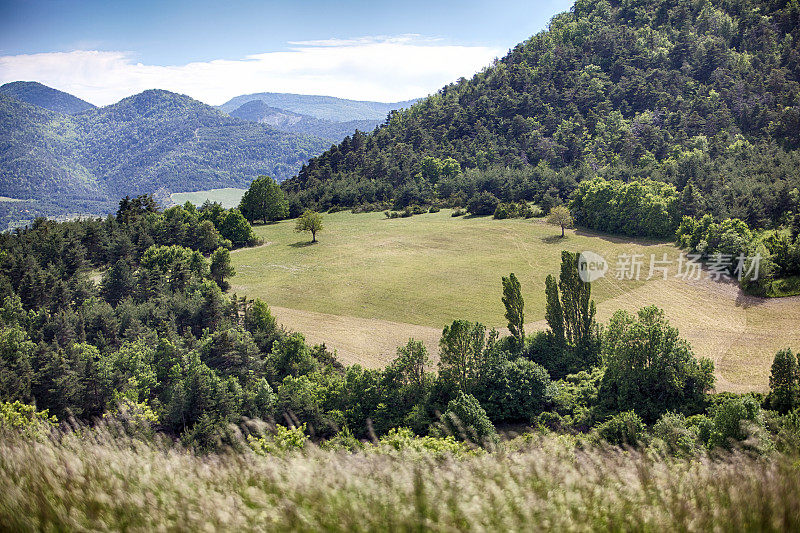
(570, 313)
(515, 308)
(431, 168)
(264, 200)
(118, 282)
(237, 229)
(309, 221)
(554, 313)
(560, 216)
(16, 371)
(516, 390)
(408, 368)
(463, 353)
(650, 369)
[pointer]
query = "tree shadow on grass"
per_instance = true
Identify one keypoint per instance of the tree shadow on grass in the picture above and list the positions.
(303, 244)
(552, 239)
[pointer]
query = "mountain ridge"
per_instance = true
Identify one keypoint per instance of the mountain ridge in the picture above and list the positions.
(328, 108)
(259, 111)
(151, 141)
(35, 93)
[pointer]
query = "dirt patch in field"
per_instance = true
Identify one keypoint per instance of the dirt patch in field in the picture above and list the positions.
(370, 342)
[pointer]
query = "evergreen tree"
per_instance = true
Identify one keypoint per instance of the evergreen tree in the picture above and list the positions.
(515, 308)
(784, 382)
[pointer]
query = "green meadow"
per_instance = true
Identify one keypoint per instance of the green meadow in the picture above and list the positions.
(370, 283)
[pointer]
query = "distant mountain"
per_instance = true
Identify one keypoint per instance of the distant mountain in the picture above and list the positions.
(320, 107)
(280, 119)
(40, 95)
(153, 141)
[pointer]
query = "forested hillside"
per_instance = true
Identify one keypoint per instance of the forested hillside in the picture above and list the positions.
(679, 91)
(288, 121)
(152, 141)
(35, 93)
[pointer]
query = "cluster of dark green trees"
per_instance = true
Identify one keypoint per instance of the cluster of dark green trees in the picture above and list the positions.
(676, 91)
(156, 338)
(766, 262)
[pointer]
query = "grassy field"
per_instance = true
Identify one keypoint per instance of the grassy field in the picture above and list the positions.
(85, 484)
(228, 197)
(371, 283)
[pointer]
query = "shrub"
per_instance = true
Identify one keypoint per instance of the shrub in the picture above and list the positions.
(673, 436)
(24, 418)
(517, 390)
(458, 212)
(281, 441)
(503, 211)
(467, 420)
(482, 203)
(736, 420)
(433, 209)
(624, 429)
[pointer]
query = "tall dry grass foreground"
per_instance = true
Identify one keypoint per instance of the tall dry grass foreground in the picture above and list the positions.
(92, 483)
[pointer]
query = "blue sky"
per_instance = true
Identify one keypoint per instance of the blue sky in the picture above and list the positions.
(105, 50)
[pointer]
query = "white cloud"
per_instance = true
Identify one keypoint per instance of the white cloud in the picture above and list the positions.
(369, 68)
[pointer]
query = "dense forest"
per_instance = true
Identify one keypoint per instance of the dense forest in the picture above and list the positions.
(705, 92)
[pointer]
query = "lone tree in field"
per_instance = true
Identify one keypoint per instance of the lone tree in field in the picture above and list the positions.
(264, 200)
(309, 221)
(560, 216)
(515, 308)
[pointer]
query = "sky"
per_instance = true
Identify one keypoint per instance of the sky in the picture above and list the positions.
(105, 50)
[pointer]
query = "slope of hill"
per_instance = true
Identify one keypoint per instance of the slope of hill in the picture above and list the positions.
(280, 119)
(152, 141)
(321, 107)
(35, 93)
(673, 90)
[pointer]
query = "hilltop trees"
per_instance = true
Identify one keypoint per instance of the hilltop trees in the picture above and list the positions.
(677, 91)
(264, 200)
(309, 221)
